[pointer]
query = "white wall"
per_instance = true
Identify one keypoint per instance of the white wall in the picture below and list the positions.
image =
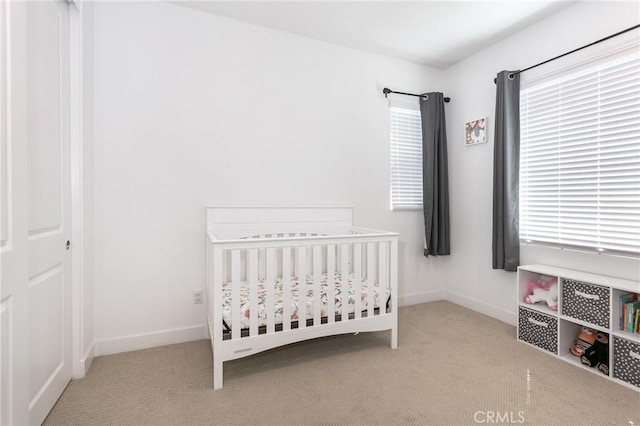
(88, 186)
(194, 109)
(471, 281)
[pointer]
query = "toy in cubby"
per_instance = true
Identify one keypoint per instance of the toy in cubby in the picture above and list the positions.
(544, 289)
(585, 340)
(598, 354)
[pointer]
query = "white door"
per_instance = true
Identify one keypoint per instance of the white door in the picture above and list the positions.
(49, 224)
(13, 216)
(37, 352)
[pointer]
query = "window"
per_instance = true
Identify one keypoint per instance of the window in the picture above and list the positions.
(406, 156)
(580, 158)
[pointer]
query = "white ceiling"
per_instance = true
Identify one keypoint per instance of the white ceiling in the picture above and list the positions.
(435, 33)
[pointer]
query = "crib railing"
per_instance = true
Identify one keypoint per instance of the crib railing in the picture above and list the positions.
(263, 259)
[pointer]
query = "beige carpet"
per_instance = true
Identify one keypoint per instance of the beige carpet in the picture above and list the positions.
(452, 367)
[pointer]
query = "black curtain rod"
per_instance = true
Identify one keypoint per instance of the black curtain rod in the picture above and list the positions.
(575, 50)
(387, 91)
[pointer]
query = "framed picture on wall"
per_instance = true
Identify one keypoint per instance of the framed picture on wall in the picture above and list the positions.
(475, 132)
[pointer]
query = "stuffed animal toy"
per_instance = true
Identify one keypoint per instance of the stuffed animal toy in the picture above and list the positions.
(585, 340)
(543, 291)
(598, 354)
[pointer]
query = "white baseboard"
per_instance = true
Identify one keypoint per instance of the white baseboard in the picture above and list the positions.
(150, 340)
(197, 332)
(481, 307)
(84, 363)
(423, 297)
(87, 360)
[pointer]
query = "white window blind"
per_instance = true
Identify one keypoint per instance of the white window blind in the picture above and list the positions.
(406, 157)
(580, 158)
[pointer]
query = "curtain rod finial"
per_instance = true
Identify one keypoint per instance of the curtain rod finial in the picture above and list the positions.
(386, 91)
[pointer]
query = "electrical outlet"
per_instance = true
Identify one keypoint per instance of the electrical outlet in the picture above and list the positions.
(197, 297)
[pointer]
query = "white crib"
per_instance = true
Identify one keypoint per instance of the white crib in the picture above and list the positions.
(279, 275)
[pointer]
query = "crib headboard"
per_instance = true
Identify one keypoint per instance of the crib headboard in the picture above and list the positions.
(236, 218)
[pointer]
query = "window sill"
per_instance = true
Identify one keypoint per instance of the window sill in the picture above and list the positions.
(403, 209)
(580, 249)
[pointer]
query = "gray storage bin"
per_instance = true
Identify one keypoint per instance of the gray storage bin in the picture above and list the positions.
(626, 360)
(586, 302)
(538, 329)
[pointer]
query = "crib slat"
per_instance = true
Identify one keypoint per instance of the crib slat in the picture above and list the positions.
(262, 266)
(252, 278)
(286, 288)
(235, 295)
(331, 282)
(301, 272)
(383, 277)
(317, 282)
(370, 278)
(357, 279)
(270, 282)
(344, 279)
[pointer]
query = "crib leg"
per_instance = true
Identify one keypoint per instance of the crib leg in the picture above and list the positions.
(394, 338)
(217, 374)
(217, 365)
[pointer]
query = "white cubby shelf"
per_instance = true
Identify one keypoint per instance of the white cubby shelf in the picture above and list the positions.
(584, 300)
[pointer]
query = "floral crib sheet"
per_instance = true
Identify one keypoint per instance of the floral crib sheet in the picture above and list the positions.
(339, 290)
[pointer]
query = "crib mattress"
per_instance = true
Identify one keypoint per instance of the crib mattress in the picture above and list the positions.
(342, 292)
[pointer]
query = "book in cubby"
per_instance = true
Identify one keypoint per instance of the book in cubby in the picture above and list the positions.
(629, 312)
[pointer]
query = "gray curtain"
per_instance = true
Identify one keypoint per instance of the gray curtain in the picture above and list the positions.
(506, 169)
(435, 175)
